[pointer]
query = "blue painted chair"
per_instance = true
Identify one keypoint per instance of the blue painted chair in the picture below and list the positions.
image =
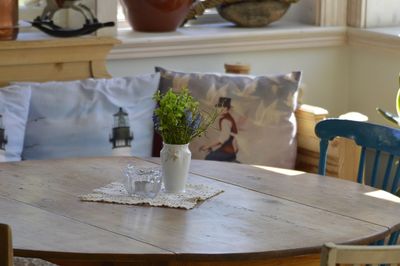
(377, 138)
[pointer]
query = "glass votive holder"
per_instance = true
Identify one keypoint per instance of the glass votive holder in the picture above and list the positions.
(144, 182)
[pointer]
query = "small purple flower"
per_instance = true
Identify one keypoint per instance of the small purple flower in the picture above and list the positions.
(156, 121)
(196, 122)
(188, 118)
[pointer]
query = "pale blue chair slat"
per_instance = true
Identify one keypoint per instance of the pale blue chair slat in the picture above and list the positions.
(361, 166)
(380, 242)
(378, 138)
(387, 172)
(323, 146)
(375, 168)
(393, 238)
(396, 180)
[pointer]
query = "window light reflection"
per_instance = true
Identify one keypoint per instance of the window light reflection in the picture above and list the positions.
(381, 194)
(282, 171)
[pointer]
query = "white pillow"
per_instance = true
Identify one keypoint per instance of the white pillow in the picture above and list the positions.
(14, 107)
(76, 118)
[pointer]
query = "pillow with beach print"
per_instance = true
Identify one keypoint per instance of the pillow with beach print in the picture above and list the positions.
(256, 123)
(14, 107)
(93, 117)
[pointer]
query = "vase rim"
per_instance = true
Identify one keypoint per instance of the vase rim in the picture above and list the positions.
(175, 144)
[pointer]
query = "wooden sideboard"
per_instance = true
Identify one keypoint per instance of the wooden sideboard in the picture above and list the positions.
(54, 59)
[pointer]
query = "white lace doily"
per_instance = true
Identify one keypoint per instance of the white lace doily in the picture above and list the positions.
(116, 193)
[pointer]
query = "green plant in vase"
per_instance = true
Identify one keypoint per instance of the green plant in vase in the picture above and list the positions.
(178, 119)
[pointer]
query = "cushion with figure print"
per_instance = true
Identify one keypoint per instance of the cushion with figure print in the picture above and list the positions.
(93, 117)
(14, 107)
(256, 123)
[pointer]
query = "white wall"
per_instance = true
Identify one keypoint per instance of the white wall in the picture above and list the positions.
(373, 81)
(381, 15)
(325, 70)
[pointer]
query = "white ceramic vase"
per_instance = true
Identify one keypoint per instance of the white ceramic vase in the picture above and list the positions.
(175, 162)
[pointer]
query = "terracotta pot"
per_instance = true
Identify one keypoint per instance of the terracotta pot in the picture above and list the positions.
(156, 15)
(8, 19)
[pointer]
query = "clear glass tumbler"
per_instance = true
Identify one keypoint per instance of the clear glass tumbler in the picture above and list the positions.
(143, 182)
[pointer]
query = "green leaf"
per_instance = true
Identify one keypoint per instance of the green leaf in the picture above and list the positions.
(389, 116)
(172, 112)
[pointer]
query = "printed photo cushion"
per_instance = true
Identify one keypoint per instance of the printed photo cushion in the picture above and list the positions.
(256, 123)
(14, 107)
(94, 117)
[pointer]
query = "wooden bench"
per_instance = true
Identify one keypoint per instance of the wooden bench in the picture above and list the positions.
(80, 58)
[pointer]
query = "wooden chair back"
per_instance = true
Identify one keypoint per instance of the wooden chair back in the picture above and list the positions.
(377, 138)
(380, 139)
(332, 255)
(6, 251)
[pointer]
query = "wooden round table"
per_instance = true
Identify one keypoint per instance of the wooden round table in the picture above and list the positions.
(265, 216)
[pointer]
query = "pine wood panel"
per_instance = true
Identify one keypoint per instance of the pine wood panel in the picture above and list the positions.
(343, 154)
(307, 260)
(6, 251)
(55, 71)
(54, 59)
(243, 224)
(333, 254)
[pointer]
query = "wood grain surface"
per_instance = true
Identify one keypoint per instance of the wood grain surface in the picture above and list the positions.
(343, 197)
(6, 250)
(54, 59)
(253, 222)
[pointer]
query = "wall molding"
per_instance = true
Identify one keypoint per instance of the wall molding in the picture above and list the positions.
(384, 41)
(186, 43)
(192, 41)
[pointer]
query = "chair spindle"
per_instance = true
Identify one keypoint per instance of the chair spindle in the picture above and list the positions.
(375, 168)
(395, 183)
(323, 146)
(387, 173)
(361, 165)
